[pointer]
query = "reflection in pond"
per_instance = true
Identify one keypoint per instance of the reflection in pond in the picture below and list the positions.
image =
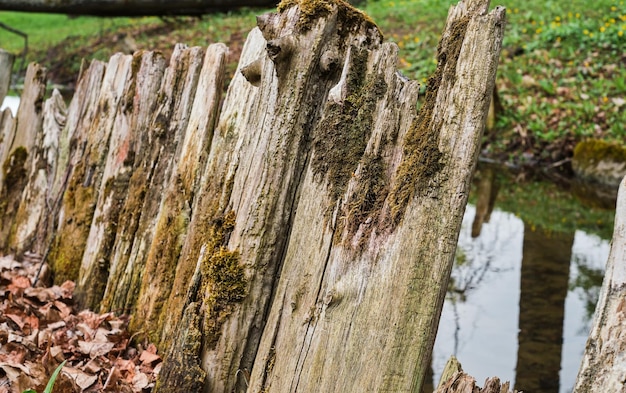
(524, 285)
(11, 103)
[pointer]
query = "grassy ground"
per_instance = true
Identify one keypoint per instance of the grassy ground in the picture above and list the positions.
(562, 75)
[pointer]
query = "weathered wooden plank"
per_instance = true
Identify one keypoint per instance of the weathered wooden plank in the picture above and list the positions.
(255, 166)
(364, 299)
(172, 116)
(118, 167)
(35, 207)
(7, 130)
(6, 68)
(20, 149)
(85, 179)
(153, 149)
(604, 362)
(182, 194)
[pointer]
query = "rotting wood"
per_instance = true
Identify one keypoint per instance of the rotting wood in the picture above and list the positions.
(311, 225)
(604, 361)
(161, 256)
(6, 67)
(21, 141)
(34, 210)
(454, 380)
(369, 298)
(85, 180)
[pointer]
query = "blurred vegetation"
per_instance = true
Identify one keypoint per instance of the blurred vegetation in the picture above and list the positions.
(561, 79)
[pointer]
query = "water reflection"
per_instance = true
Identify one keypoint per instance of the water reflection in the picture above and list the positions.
(524, 285)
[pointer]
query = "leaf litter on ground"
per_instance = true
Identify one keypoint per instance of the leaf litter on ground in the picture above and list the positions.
(40, 327)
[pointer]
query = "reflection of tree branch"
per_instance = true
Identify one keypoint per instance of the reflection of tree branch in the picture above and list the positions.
(457, 328)
(589, 280)
(22, 34)
(461, 286)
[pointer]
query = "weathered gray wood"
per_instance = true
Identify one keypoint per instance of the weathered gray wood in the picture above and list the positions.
(35, 207)
(153, 151)
(117, 170)
(20, 149)
(604, 362)
(259, 150)
(367, 294)
(311, 226)
(172, 116)
(7, 130)
(6, 68)
(454, 380)
(85, 179)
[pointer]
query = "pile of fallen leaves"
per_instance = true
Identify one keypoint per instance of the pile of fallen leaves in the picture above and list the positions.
(40, 328)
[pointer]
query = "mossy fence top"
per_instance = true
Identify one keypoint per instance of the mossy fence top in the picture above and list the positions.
(294, 235)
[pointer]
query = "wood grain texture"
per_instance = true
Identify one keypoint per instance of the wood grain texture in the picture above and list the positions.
(604, 361)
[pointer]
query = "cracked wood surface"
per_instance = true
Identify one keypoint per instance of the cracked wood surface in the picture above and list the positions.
(604, 361)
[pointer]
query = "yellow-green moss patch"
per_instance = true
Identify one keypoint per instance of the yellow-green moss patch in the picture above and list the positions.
(593, 151)
(422, 158)
(79, 204)
(311, 10)
(15, 179)
(224, 278)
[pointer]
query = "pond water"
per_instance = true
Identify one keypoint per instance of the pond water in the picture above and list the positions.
(524, 286)
(10, 102)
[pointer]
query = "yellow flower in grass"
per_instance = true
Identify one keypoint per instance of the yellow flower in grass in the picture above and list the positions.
(586, 32)
(602, 29)
(620, 33)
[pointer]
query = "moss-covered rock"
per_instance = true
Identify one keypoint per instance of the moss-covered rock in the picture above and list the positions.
(600, 162)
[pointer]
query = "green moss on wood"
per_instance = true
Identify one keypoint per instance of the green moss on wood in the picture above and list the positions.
(223, 276)
(311, 10)
(365, 203)
(15, 178)
(79, 205)
(14, 167)
(592, 151)
(422, 158)
(161, 263)
(181, 370)
(340, 139)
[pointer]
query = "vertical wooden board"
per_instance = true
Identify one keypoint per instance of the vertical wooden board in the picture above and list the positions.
(196, 145)
(358, 311)
(6, 72)
(7, 131)
(116, 173)
(152, 178)
(16, 165)
(254, 171)
(168, 224)
(84, 182)
(604, 362)
(146, 147)
(35, 210)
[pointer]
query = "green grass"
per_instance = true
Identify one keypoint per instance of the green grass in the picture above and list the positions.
(561, 77)
(49, 29)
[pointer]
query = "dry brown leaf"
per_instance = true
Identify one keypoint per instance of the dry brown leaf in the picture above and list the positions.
(148, 357)
(80, 378)
(95, 348)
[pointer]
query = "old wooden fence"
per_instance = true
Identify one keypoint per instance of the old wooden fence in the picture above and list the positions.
(294, 235)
